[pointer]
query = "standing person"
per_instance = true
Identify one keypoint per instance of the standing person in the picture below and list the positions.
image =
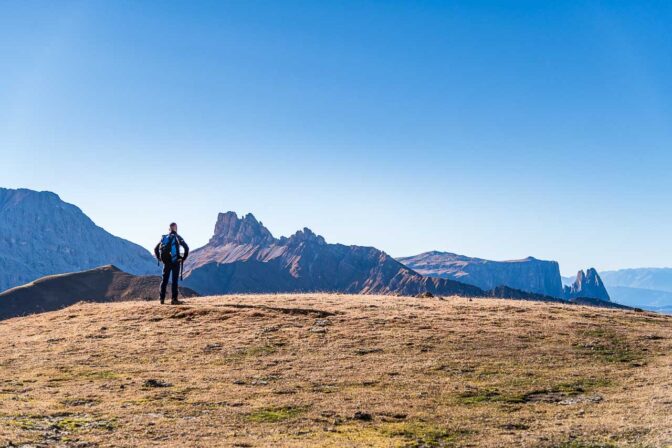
(168, 252)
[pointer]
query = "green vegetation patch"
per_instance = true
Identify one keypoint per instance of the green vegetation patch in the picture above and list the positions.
(261, 350)
(63, 423)
(273, 415)
(581, 385)
(25, 423)
(98, 374)
(71, 424)
(418, 434)
(253, 351)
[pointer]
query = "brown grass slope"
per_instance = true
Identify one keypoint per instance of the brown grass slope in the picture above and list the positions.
(103, 284)
(336, 371)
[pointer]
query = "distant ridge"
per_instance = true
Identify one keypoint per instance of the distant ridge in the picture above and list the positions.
(529, 274)
(658, 279)
(649, 288)
(102, 284)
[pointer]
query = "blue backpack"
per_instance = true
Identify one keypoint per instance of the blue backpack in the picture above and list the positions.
(169, 248)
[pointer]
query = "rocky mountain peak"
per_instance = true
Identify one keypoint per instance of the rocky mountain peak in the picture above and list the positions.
(245, 230)
(587, 285)
(28, 198)
(306, 235)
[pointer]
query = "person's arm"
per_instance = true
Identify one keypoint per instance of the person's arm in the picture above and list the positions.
(186, 249)
(156, 251)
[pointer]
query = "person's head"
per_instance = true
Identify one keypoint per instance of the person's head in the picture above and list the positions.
(173, 227)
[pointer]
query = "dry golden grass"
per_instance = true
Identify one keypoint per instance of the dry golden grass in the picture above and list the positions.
(293, 370)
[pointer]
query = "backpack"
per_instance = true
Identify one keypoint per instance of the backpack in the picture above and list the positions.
(168, 248)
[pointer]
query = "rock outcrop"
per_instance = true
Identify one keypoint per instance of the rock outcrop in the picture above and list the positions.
(42, 235)
(588, 285)
(103, 284)
(244, 257)
(246, 230)
(531, 275)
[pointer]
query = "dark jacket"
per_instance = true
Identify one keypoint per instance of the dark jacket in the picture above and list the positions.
(177, 241)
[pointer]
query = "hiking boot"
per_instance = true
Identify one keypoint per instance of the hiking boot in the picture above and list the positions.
(161, 300)
(176, 302)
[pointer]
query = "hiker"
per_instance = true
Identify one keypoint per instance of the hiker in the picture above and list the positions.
(168, 253)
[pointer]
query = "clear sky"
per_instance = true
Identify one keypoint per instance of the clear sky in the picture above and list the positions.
(493, 129)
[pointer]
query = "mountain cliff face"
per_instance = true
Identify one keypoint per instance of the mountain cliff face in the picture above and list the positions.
(243, 256)
(529, 274)
(103, 284)
(42, 235)
(587, 285)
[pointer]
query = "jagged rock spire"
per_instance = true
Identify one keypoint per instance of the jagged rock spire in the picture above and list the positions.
(246, 230)
(307, 235)
(587, 285)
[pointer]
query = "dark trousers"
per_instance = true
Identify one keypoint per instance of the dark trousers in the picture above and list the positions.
(168, 269)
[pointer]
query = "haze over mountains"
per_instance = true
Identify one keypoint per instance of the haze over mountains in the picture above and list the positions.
(42, 235)
(649, 288)
(659, 279)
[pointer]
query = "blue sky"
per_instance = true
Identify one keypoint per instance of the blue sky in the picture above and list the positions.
(494, 129)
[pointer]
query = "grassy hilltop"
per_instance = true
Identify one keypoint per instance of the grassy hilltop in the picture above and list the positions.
(336, 371)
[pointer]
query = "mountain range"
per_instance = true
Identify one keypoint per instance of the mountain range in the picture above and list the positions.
(649, 288)
(529, 274)
(659, 279)
(42, 235)
(243, 256)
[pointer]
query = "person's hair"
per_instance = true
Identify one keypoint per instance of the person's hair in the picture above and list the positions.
(172, 224)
